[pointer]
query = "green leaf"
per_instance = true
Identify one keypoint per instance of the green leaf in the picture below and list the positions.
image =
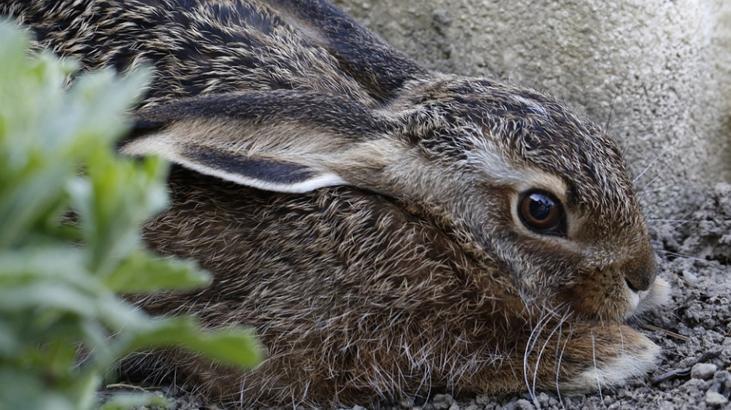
(119, 314)
(141, 272)
(58, 262)
(124, 401)
(71, 212)
(234, 346)
(84, 389)
(9, 342)
(117, 198)
(22, 389)
(55, 296)
(30, 198)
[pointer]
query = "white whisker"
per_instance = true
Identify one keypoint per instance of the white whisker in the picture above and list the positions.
(530, 344)
(593, 356)
(651, 164)
(543, 348)
(681, 255)
(558, 365)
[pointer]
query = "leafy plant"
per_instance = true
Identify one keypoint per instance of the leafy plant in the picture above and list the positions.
(70, 217)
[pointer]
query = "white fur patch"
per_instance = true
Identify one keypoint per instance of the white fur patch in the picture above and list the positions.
(658, 295)
(627, 365)
(647, 300)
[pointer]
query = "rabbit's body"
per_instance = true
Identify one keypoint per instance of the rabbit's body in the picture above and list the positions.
(395, 258)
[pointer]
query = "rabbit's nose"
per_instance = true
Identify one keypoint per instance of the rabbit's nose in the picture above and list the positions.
(638, 283)
(640, 274)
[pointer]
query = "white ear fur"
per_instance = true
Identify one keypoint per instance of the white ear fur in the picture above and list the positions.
(256, 172)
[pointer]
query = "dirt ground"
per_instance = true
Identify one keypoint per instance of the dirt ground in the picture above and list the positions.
(694, 329)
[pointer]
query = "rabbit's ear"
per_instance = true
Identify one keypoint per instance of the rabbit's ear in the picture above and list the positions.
(281, 141)
(381, 69)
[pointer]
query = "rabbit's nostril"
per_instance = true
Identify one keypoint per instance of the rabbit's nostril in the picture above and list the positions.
(639, 271)
(639, 281)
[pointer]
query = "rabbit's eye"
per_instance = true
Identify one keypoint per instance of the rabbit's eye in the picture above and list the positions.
(542, 213)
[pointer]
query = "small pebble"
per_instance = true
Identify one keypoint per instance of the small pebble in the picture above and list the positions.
(715, 399)
(723, 377)
(543, 399)
(407, 403)
(483, 399)
(703, 371)
(442, 17)
(454, 406)
(695, 384)
(442, 401)
(690, 277)
(524, 404)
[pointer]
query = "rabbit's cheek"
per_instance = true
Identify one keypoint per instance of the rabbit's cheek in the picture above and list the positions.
(601, 294)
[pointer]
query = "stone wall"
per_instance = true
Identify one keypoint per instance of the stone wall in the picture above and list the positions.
(656, 72)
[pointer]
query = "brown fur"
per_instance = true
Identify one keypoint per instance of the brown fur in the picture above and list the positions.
(413, 274)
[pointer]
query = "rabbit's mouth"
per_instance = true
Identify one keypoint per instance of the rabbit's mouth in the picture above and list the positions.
(647, 300)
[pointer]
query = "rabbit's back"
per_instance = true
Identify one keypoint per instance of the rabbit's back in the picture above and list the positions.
(195, 46)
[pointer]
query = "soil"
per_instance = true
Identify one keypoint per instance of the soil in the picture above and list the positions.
(694, 329)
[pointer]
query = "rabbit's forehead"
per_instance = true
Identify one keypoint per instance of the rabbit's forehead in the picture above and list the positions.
(563, 148)
(583, 168)
(501, 167)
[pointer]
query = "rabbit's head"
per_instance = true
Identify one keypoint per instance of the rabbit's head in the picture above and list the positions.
(519, 182)
(544, 193)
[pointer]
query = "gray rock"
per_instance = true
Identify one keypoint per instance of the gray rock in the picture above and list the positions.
(715, 399)
(696, 384)
(544, 399)
(703, 371)
(524, 404)
(483, 399)
(442, 401)
(690, 277)
(722, 377)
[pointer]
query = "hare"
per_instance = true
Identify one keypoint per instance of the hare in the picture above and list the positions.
(388, 231)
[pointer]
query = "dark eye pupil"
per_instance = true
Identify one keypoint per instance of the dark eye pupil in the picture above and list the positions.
(540, 206)
(542, 213)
